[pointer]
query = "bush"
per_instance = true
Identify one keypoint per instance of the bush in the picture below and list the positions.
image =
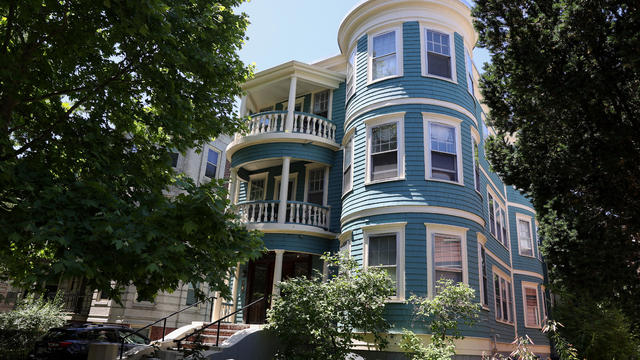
(21, 328)
(320, 320)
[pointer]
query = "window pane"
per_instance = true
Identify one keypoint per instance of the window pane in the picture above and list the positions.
(439, 65)
(443, 166)
(492, 216)
(382, 250)
(257, 189)
(448, 252)
(351, 85)
(443, 138)
(321, 103)
(174, 159)
(384, 138)
(384, 44)
(346, 179)
(438, 42)
(498, 298)
(210, 171)
(384, 66)
(454, 276)
(384, 165)
(532, 306)
(212, 164)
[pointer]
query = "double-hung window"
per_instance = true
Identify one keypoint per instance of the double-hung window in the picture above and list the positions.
(525, 242)
(321, 103)
(347, 159)
(438, 49)
(384, 249)
(531, 305)
(384, 55)
(212, 164)
(446, 255)
(503, 298)
(257, 187)
(470, 77)
(351, 74)
(443, 152)
(476, 165)
(315, 186)
(447, 258)
(498, 221)
(484, 281)
(385, 149)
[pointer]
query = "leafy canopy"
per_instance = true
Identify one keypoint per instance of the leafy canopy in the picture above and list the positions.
(565, 79)
(319, 320)
(92, 96)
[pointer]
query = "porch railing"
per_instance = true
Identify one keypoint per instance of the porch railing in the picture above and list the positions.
(308, 214)
(303, 123)
(298, 212)
(258, 211)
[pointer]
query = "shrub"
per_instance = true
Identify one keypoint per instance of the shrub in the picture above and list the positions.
(320, 320)
(21, 328)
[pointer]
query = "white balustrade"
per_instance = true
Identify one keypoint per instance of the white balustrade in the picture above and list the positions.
(258, 212)
(303, 123)
(308, 214)
(314, 125)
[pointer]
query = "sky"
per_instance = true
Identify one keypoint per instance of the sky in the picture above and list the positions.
(302, 30)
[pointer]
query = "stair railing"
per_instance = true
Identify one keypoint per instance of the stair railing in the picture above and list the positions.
(218, 322)
(164, 322)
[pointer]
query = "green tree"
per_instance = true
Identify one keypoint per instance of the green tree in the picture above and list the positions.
(320, 320)
(93, 94)
(21, 327)
(454, 304)
(564, 79)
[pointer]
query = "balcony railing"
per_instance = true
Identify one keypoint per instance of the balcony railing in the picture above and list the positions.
(303, 123)
(297, 212)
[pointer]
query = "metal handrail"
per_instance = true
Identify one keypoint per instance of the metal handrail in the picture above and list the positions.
(219, 321)
(164, 324)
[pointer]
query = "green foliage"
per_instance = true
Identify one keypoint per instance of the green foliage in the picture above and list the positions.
(565, 78)
(93, 94)
(523, 351)
(454, 304)
(319, 320)
(599, 331)
(21, 328)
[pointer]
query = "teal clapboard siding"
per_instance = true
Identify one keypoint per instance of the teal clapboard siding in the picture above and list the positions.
(519, 261)
(538, 337)
(300, 243)
(308, 152)
(412, 84)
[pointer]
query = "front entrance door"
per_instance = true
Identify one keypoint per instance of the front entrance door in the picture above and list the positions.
(259, 284)
(260, 281)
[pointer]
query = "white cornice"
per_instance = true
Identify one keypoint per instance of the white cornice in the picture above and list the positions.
(407, 101)
(422, 209)
(314, 74)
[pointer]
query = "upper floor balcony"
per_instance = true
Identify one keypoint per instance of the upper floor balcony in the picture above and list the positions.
(289, 103)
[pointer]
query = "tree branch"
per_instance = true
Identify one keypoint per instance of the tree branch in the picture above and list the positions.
(55, 93)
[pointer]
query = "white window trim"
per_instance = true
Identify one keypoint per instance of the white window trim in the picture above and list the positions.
(399, 53)
(390, 228)
(496, 271)
(382, 120)
(348, 139)
(308, 168)
(204, 160)
(482, 240)
(469, 61)
(276, 188)
(433, 229)
(329, 105)
(423, 52)
(354, 78)
(530, 285)
(500, 204)
(428, 118)
(475, 138)
(263, 175)
(523, 217)
(346, 238)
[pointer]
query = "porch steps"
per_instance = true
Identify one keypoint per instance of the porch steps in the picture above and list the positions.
(208, 337)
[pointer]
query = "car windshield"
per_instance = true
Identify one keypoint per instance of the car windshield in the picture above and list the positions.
(132, 338)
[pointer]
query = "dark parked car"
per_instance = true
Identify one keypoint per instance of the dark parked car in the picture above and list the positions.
(73, 342)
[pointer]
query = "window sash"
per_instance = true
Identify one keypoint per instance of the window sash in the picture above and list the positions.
(503, 299)
(476, 165)
(321, 103)
(383, 159)
(532, 307)
(524, 237)
(438, 54)
(382, 253)
(346, 167)
(470, 77)
(351, 74)
(492, 215)
(257, 189)
(212, 164)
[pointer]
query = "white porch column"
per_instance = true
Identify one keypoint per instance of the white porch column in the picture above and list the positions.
(284, 188)
(292, 104)
(325, 190)
(233, 186)
(217, 307)
(243, 106)
(277, 273)
(236, 286)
